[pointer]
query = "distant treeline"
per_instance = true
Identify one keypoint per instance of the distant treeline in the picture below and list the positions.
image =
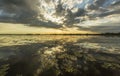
(111, 33)
(68, 34)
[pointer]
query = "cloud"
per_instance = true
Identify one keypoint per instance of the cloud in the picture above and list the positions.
(22, 9)
(56, 12)
(9, 28)
(109, 23)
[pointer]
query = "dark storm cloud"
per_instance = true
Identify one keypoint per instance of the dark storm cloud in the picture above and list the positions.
(59, 9)
(80, 12)
(116, 3)
(109, 13)
(99, 2)
(96, 4)
(101, 8)
(21, 8)
(71, 17)
(23, 11)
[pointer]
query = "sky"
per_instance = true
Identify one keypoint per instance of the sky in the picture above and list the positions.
(59, 16)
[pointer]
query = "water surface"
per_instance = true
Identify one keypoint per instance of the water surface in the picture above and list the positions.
(59, 55)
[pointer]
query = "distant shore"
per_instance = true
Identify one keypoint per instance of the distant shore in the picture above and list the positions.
(66, 34)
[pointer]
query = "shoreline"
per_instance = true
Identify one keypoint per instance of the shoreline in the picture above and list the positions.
(106, 34)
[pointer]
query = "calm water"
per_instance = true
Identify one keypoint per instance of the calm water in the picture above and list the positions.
(50, 55)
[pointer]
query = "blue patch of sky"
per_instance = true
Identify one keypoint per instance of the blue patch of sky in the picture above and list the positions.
(84, 3)
(109, 2)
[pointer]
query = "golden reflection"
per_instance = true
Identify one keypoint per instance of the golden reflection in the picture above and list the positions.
(9, 40)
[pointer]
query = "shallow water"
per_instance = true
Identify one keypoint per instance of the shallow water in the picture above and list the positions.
(59, 55)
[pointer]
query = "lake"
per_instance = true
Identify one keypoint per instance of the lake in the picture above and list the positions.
(59, 55)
